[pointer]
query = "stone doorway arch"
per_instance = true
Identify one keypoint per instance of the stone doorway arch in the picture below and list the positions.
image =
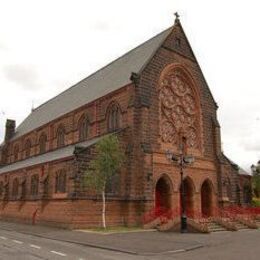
(189, 191)
(207, 199)
(238, 195)
(163, 192)
(247, 194)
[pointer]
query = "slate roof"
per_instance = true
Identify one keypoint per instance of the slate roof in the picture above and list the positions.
(108, 79)
(61, 153)
(241, 171)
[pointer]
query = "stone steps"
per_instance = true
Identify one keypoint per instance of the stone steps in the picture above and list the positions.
(239, 225)
(211, 225)
(215, 227)
(258, 223)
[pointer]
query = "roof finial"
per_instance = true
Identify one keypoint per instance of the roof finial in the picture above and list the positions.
(177, 18)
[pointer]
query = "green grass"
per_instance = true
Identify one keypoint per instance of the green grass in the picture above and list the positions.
(114, 229)
(256, 202)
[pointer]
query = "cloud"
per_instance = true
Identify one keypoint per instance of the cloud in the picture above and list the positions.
(2, 46)
(100, 26)
(23, 75)
(252, 146)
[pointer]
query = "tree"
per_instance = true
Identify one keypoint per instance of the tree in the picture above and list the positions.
(106, 164)
(256, 179)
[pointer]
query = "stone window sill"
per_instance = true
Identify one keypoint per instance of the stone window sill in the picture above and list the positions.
(59, 195)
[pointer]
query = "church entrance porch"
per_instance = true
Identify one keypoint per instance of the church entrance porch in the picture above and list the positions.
(206, 199)
(163, 192)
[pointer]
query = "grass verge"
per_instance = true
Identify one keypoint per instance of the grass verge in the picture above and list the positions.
(109, 230)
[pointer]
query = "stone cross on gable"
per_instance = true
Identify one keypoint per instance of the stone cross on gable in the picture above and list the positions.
(177, 17)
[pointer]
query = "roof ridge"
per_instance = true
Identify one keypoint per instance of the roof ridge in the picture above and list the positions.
(102, 68)
(145, 64)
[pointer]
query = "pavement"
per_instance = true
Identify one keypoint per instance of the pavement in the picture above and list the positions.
(142, 242)
(20, 241)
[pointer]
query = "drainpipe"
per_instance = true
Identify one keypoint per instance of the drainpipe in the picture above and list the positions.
(34, 216)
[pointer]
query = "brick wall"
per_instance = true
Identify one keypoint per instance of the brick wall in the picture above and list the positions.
(95, 111)
(147, 141)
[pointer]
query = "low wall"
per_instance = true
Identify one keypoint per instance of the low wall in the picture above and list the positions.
(73, 214)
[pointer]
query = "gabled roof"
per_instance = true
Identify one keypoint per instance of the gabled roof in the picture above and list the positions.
(57, 154)
(240, 170)
(106, 80)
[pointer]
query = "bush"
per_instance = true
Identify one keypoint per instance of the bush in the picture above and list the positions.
(256, 202)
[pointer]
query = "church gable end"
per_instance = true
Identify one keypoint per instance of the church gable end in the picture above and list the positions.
(175, 50)
(178, 42)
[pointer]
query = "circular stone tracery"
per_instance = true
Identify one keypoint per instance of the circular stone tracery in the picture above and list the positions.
(178, 109)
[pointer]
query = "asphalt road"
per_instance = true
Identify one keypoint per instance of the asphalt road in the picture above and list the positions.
(222, 245)
(15, 245)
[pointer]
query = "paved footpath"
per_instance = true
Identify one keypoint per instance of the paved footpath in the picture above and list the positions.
(143, 242)
(18, 241)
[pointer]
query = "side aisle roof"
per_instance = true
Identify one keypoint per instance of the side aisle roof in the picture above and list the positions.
(57, 154)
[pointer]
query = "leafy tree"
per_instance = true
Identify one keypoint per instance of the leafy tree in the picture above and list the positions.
(256, 179)
(106, 164)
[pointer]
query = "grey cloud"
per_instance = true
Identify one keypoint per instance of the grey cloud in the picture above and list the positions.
(252, 142)
(2, 129)
(23, 75)
(252, 146)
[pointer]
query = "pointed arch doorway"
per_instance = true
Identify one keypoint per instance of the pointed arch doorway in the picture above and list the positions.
(207, 199)
(189, 191)
(163, 192)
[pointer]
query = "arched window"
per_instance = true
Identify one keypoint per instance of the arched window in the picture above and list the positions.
(34, 185)
(247, 197)
(179, 107)
(113, 184)
(27, 148)
(16, 152)
(46, 187)
(42, 143)
(1, 189)
(229, 189)
(83, 128)
(23, 192)
(238, 195)
(60, 181)
(60, 136)
(114, 118)
(15, 188)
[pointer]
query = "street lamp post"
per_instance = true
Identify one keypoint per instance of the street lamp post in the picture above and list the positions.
(183, 204)
(182, 160)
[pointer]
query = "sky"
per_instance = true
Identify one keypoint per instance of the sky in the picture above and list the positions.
(48, 45)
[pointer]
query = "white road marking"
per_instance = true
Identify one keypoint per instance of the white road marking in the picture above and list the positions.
(35, 246)
(4, 238)
(17, 241)
(58, 253)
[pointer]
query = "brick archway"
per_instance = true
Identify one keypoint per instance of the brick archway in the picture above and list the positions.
(189, 190)
(247, 194)
(163, 191)
(206, 199)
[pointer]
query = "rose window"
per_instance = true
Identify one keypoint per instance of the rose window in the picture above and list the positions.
(178, 109)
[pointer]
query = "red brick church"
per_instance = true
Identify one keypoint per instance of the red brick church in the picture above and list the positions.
(152, 97)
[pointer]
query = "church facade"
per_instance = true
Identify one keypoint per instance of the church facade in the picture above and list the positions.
(153, 98)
